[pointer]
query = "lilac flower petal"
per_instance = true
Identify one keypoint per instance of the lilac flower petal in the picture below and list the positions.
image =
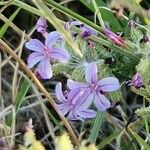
(73, 85)
(89, 113)
(63, 109)
(60, 54)
(73, 116)
(44, 69)
(101, 102)
(34, 58)
(41, 25)
(109, 84)
(35, 45)
(75, 23)
(87, 31)
(59, 93)
(74, 95)
(91, 73)
(52, 38)
(86, 100)
(70, 23)
(137, 80)
(113, 37)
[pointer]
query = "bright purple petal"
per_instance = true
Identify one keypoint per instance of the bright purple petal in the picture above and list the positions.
(109, 84)
(34, 58)
(35, 45)
(89, 113)
(60, 54)
(63, 109)
(59, 93)
(52, 38)
(91, 73)
(101, 102)
(44, 69)
(73, 85)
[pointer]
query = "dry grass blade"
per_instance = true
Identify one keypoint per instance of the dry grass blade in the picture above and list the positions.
(39, 86)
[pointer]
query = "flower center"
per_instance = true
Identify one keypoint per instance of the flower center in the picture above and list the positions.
(46, 52)
(94, 86)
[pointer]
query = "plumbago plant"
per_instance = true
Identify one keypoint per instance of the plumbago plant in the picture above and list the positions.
(106, 65)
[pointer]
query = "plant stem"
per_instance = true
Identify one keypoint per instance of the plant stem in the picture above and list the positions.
(98, 14)
(74, 15)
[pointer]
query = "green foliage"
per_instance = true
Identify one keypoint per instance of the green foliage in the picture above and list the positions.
(116, 95)
(140, 140)
(96, 126)
(106, 14)
(6, 25)
(143, 111)
(145, 92)
(143, 67)
(108, 139)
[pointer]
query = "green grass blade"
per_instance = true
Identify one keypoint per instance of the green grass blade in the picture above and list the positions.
(140, 140)
(106, 14)
(6, 25)
(96, 127)
(24, 87)
(108, 139)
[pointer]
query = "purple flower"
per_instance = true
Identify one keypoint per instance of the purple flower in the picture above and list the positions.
(94, 89)
(73, 104)
(85, 30)
(136, 81)
(114, 38)
(131, 23)
(43, 54)
(146, 39)
(41, 25)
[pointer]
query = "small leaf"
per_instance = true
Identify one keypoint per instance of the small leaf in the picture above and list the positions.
(24, 87)
(108, 139)
(140, 140)
(96, 127)
(143, 111)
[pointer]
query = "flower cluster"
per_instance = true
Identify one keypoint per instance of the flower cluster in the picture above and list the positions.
(44, 53)
(77, 101)
(85, 30)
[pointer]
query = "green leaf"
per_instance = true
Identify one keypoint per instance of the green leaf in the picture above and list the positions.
(143, 111)
(145, 92)
(6, 25)
(143, 67)
(96, 127)
(108, 139)
(106, 14)
(24, 87)
(140, 140)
